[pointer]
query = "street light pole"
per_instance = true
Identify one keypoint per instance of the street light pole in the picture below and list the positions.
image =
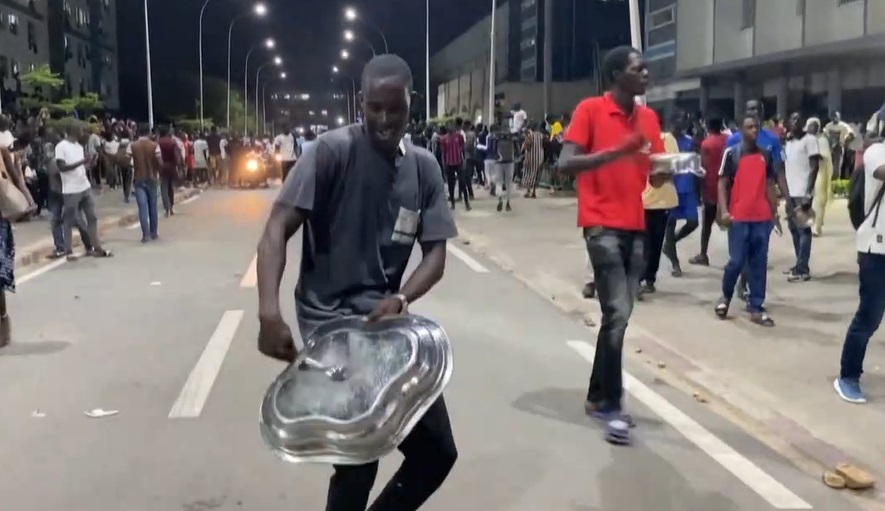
(230, 33)
(200, 35)
(276, 61)
(492, 67)
(150, 89)
(270, 44)
(427, 60)
(636, 34)
(264, 106)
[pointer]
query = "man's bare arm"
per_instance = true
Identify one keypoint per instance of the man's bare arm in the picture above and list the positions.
(283, 223)
(429, 271)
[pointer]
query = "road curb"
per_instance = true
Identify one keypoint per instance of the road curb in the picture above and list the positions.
(778, 431)
(36, 253)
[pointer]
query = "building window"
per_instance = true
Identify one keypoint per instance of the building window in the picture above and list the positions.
(844, 2)
(800, 7)
(12, 20)
(662, 17)
(4, 68)
(748, 14)
(32, 37)
(527, 42)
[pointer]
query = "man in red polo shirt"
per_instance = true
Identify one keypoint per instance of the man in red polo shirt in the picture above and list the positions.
(607, 146)
(748, 202)
(712, 150)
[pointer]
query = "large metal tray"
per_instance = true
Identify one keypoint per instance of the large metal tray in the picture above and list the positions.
(356, 390)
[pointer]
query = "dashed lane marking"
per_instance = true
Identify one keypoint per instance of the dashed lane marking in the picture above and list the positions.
(471, 263)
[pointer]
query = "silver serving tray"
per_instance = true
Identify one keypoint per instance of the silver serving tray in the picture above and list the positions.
(356, 390)
(677, 163)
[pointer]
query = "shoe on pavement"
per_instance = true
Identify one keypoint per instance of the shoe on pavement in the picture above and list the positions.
(849, 390)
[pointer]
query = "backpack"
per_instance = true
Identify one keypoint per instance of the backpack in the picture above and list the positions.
(856, 195)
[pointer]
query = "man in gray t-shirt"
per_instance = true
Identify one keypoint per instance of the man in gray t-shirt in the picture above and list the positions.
(364, 198)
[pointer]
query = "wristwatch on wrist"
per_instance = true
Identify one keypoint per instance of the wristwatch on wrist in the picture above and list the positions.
(404, 301)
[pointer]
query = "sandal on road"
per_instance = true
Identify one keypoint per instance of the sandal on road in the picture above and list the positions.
(761, 319)
(721, 308)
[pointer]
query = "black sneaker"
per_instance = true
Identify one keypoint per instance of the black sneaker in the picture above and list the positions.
(589, 290)
(500, 206)
(507, 207)
(799, 277)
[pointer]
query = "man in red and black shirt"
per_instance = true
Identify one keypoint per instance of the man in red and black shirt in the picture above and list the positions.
(451, 147)
(607, 146)
(748, 201)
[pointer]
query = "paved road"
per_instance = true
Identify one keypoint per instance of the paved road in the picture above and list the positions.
(169, 329)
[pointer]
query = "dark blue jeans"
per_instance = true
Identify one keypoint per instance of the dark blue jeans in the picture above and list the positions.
(618, 261)
(146, 199)
(801, 239)
(870, 309)
(747, 249)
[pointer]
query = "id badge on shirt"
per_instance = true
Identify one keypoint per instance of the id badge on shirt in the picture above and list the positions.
(406, 227)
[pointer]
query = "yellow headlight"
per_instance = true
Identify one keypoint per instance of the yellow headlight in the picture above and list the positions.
(278, 157)
(252, 165)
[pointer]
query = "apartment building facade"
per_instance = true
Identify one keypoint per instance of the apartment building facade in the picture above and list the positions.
(77, 38)
(815, 55)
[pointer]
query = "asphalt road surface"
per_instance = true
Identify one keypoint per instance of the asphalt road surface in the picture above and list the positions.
(165, 335)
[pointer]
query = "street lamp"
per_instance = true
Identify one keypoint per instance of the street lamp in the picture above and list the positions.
(264, 102)
(349, 36)
(150, 88)
(345, 54)
(340, 121)
(276, 61)
(260, 10)
(350, 14)
(269, 44)
(200, 35)
(335, 69)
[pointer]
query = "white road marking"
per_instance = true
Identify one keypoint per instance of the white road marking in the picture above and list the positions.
(136, 225)
(250, 278)
(196, 389)
(40, 271)
(767, 487)
(471, 263)
(156, 283)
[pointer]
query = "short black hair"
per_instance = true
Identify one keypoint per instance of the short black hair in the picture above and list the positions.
(715, 124)
(617, 60)
(143, 130)
(387, 66)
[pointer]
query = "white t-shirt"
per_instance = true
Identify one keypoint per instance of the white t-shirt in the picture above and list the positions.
(6, 139)
(797, 164)
(201, 148)
(111, 147)
(519, 118)
(223, 146)
(871, 239)
(286, 143)
(72, 181)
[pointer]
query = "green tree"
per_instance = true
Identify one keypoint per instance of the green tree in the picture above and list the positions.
(86, 104)
(44, 84)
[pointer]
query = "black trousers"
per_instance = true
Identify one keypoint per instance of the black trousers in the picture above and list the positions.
(455, 175)
(655, 232)
(429, 453)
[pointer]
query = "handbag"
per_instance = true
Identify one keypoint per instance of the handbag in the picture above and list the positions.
(13, 203)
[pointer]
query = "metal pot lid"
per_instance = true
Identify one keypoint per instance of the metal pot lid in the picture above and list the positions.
(356, 390)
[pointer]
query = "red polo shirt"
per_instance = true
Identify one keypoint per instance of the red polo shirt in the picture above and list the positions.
(611, 195)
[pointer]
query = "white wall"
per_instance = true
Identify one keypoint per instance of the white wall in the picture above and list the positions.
(732, 42)
(778, 25)
(694, 34)
(827, 21)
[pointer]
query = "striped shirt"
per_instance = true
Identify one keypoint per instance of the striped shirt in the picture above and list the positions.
(452, 149)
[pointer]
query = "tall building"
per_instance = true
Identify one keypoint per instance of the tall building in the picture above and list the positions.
(819, 56)
(77, 38)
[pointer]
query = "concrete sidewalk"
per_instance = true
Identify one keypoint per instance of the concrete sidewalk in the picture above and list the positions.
(33, 240)
(776, 381)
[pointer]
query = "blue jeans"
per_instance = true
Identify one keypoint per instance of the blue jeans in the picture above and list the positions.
(146, 199)
(618, 259)
(870, 309)
(747, 249)
(801, 240)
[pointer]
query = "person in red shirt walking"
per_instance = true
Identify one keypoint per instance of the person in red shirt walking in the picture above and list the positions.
(451, 144)
(607, 145)
(748, 202)
(712, 151)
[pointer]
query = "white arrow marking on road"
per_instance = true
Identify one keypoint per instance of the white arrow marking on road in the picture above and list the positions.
(196, 390)
(471, 263)
(767, 487)
(250, 278)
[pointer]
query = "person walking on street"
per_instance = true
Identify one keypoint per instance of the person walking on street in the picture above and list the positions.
(451, 146)
(533, 148)
(214, 142)
(147, 163)
(76, 191)
(607, 146)
(823, 184)
(370, 278)
(712, 151)
(201, 160)
(870, 245)
(55, 201)
(802, 165)
(284, 145)
(172, 158)
(7, 244)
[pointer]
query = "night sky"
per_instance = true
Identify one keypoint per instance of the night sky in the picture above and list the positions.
(308, 35)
